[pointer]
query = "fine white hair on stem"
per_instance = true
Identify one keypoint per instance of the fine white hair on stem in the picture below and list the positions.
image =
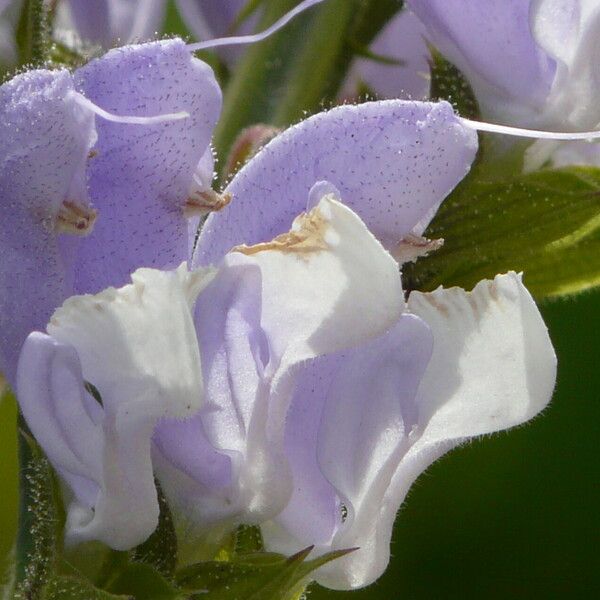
(257, 37)
(131, 120)
(530, 133)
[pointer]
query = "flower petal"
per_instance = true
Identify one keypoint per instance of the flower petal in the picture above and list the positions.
(107, 465)
(493, 364)
(492, 367)
(140, 178)
(138, 347)
(139, 338)
(325, 286)
(393, 162)
(349, 423)
(481, 38)
(568, 32)
(45, 138)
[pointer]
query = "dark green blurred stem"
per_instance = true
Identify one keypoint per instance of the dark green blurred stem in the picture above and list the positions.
(321, 66)
(251, 94)
(342, 30)
(25, 542)
(32, 33)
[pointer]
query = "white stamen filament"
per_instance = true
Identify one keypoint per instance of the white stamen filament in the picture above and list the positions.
(257, 37)
(530, 133)
(131, 120)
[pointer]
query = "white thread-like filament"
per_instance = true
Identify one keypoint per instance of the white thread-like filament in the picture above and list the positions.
(257, 37)
(530, 133)
(130, 120)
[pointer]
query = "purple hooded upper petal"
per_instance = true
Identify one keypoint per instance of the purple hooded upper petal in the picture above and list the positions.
(393, 162)
(491, 42)
(140, 178)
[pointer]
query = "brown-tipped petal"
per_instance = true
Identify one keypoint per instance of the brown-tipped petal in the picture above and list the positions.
(413, 247)
(247, 144)
(75, 218)
(200, 204)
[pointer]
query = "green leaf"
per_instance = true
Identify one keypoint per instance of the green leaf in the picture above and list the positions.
(160, 549)
(39, 522)
(546, 224)
(143, 582)
(73, 588)
(259, 576)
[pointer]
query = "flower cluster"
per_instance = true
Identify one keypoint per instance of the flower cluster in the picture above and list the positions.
(271, 371)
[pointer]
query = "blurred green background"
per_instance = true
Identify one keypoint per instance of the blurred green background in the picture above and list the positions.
(514, 515)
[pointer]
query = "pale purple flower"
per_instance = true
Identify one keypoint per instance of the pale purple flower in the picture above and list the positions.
(326, 286)
(364, 424)
(121, 187)
(531, 63)
(291, 385)
(392, 162)
(137, 345)
(109, 23)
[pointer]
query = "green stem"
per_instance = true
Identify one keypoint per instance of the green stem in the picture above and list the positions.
(251, 95)
(32, 33)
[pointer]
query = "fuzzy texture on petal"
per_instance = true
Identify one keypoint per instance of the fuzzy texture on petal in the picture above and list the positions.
(492, 367)
(393, 162)
(45, 138)
(491, 42)
(140, 178)
(112, 22)
(325, 286)
(137, 346)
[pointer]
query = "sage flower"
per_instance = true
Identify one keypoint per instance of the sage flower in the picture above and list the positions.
(392, 162)
(531, 63)
(364, 424)
(88, 197)
(236, 333)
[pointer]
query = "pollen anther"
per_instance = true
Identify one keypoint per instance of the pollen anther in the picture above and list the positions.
(74, 218)
(200, 204)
